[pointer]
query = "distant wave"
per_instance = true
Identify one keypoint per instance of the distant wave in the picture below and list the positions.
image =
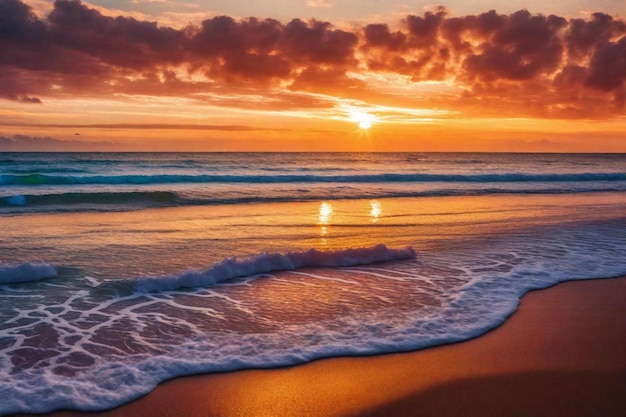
(268, 262)
(42, 179)
(125, 200)
(25, 272)
(110, 198)
(39, 170)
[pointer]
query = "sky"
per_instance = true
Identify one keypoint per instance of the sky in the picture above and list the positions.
(313, 75)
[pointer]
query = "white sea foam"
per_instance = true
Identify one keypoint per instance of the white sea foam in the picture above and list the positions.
(270, 262)
(26, 272)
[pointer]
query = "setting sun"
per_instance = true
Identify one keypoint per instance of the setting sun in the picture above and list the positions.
(365, 124)
(363, 119)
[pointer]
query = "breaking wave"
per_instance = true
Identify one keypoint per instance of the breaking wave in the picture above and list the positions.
(231, 268)
(26, 272)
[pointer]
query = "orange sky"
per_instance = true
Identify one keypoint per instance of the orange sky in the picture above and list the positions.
(78, 76)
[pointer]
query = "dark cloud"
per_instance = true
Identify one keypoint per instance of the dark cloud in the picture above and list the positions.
(423, 31)
(608, 66)
(523, 47)
(18, 24)
(570, 76)
(408, 53)
(379, 36)
(413, 66)
(250, 67)
(224, 36)
(259, 51)
(121, 41)
(316, 42)
(457, 30)
(232, 51)
(583, 36)
(548, 63)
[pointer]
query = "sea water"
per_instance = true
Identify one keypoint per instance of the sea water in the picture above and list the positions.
(119, 271)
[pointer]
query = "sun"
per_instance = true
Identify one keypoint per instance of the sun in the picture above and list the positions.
(365, 124)
(363, 119)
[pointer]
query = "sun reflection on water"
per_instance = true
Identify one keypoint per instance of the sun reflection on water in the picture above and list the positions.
(325, 212)
(326, 209)
(376, 210)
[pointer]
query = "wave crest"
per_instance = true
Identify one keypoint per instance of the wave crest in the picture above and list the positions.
(43, 179)
(100, 198)
(26, 272)
(269, 262)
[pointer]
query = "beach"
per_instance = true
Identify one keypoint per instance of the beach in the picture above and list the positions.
(560, 354)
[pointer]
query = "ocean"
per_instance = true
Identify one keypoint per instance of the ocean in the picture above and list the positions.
(121, 270)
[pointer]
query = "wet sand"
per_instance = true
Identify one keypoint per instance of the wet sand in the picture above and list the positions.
(563, 353)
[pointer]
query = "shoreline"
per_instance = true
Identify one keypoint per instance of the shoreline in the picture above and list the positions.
(559, 354)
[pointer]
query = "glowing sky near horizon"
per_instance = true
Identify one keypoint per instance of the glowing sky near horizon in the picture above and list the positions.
(313, 75)
(341, 12)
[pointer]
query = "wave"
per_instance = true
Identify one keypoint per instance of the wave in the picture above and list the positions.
(36, 171)
(232, 268)
(111, 350)
(125, 200)
(26, 272)
(42, 179)
(109, 198)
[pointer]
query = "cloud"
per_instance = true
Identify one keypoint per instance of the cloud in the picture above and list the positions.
(514, 64)
(583, 36)
(608, 66)
(522, 48)
(379, 36)
(318, 43)
(121, 41)
(327, 81)
(26, 99)
(22, 99)
(24, 143)
(423, 31)
(137, 126)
